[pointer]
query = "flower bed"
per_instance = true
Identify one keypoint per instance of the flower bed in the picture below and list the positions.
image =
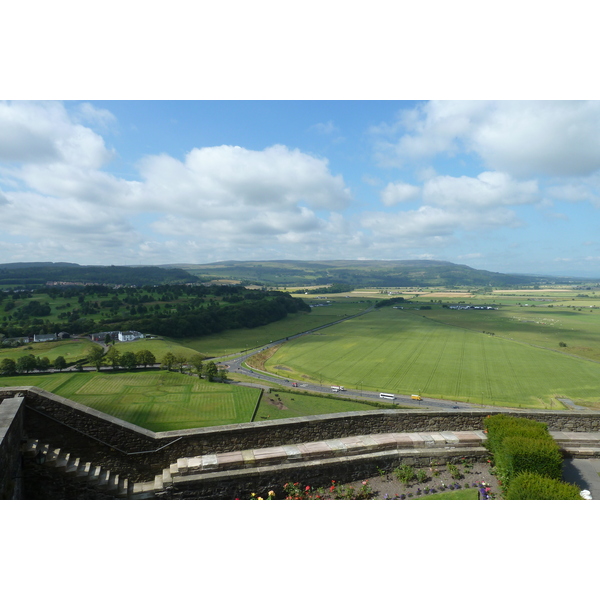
(400, 484)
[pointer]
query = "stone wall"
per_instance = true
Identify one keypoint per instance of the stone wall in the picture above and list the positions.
(138, 453)
(318, 473)
(11, 430)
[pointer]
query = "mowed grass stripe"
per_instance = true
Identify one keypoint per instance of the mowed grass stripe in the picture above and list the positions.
(158, 400)
(397, 351)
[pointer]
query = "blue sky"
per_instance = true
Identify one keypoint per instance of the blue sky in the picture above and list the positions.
(509, 186)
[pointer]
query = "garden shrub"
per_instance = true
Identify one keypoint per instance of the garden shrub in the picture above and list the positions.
(518, 454)
(500, 427)
(533, 486)
(405, 474)
(522, 445)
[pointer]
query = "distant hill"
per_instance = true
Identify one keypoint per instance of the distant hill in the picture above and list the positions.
(35, 274)
(36, 265)
(347, 274)
(362, 273)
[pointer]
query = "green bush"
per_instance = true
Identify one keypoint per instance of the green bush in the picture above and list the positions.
(532, 486)
(500, 427)
(405, 474)
(519, 454)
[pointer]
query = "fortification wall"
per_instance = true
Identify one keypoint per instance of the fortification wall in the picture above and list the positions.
(139, 453)
(11, 430)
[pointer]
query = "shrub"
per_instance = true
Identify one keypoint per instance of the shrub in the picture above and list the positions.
(454, 471)
(532, 486)
(405, 474)
(422, 476)
(522, 445)
(500, 427)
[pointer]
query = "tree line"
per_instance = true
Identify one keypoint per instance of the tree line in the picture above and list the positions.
(173, 310)
(116, 359)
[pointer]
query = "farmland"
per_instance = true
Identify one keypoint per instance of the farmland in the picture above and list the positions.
(71, 350)
(539, 346)
(236, 340)
(157, 400)
(490, 357)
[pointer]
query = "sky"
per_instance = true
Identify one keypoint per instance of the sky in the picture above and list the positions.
(241, 131)
(508, 186)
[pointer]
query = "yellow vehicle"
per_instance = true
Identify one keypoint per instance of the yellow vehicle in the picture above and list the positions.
(416, 397)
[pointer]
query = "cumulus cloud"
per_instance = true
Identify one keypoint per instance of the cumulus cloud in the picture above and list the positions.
(523, 139)
(217, 180)
(395, 193)
(584, 190)
(101, 117)
(45, 133)
(487, 190)
(227, 197)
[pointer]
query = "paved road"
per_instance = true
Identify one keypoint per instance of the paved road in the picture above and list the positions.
(235, 365)
(583, 472)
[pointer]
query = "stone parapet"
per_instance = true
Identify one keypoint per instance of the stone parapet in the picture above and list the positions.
(11, 432)
(137, 452)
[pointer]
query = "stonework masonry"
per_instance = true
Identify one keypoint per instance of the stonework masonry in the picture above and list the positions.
(11, 428)
(139, 454)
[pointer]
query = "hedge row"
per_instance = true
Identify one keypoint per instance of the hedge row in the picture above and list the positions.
(500, 427)
(528, 457)
(533, 486)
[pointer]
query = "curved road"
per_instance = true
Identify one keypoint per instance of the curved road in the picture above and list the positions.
(236, 365)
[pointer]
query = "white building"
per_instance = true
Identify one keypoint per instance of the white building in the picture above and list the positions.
(130, 336)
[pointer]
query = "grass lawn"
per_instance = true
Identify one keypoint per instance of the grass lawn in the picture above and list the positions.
(236, 340)
(284, 405)
(156, 400)
(158, 347)
(408, 351)
(544, 326)
(72, 350)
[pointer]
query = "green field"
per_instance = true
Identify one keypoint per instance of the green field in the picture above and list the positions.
(235, 340)
(410, 351)
(158, 347)
(72, 350)
(544, 326)
(157, 400)
(290, 404)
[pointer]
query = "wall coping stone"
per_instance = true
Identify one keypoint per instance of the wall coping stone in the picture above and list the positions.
(8, 411)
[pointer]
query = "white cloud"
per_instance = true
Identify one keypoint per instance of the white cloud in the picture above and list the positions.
(101, 117)
(487, 190)
(584, 190)
(226, 197)
(395, 193)
(523, 139)
(44, 133)
(324, 128)
(437, 225)
(216, 181)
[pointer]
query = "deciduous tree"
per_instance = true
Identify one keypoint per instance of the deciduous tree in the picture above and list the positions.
(25, 364)
(210, 371)
(95, 356)
(128, 360)
(60, 363)
(168, 360)
(8, 367)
